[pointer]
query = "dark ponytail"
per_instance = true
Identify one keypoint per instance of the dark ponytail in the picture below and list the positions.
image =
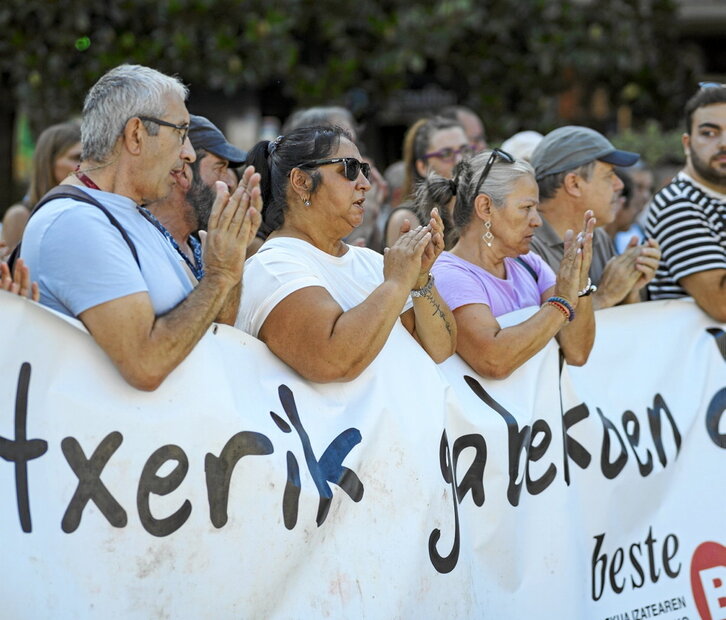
(275, 160)
(258, 157)
(437, 191)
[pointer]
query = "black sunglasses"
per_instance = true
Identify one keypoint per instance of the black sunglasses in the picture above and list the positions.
(353, 167)
(503, 155)
(184, 129)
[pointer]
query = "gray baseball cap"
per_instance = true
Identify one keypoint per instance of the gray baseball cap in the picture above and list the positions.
(205, 135)
(570, 147)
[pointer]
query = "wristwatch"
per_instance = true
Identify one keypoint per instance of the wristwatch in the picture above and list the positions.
(424, 290)
(589, 289)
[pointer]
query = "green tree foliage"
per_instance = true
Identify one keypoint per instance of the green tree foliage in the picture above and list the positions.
(507, 58)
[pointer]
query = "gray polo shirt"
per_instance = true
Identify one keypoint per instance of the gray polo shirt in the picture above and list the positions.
(550, 247)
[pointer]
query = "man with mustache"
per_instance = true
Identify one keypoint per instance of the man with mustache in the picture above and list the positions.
(575, 170)
(688, 216)
(185, 211)
(97, 258)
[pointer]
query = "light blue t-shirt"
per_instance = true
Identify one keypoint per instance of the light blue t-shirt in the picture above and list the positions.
(80, 260)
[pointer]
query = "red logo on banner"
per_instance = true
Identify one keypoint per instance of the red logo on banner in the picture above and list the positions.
(708, 580)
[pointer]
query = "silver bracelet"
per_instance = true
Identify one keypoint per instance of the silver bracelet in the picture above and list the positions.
(589, 289)
(424, 290)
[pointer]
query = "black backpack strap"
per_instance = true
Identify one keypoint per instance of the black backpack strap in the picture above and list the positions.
(76, 193)
(528, 267)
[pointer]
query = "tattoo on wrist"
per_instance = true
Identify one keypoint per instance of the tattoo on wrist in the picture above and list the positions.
(429, 296)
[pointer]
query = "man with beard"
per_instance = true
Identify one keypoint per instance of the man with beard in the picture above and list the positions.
(688, 216)
(185, 211)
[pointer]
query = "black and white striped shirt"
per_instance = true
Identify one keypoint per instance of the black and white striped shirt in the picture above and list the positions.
(690, 226)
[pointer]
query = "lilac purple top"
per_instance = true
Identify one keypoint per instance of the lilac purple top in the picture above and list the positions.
(460, 282)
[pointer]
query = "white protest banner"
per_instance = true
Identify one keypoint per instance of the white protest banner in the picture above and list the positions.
(239, 490)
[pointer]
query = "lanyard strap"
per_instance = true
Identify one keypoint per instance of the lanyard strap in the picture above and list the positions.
(83, 178)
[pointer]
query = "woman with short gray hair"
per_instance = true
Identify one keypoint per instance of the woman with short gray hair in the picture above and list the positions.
(490, 271)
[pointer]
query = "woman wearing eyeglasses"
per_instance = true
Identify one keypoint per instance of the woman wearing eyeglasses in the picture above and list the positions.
(431, 145)
(490, 271)
(326, 308)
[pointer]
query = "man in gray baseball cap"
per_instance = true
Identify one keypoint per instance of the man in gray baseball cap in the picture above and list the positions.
(575, 171)
(570, 147)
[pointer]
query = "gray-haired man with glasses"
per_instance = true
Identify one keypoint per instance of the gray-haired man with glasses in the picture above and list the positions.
(99, 259)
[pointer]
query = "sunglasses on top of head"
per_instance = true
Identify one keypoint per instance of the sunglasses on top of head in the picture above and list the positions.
(496, 153)
(352, 166)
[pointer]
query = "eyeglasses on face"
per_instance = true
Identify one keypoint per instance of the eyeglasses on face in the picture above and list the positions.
(449, 154)
(503, 155)
(184, 128)
(352, 167)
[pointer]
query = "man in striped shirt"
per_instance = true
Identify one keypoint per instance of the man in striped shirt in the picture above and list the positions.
(688, 216)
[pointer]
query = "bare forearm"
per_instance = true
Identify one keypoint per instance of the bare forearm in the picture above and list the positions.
(356, 338)
(175, 334)
(228, 314)
(576, 338)
(435, 326)
(633, 297)
(604, 298)
(708, 289)
(512, 346)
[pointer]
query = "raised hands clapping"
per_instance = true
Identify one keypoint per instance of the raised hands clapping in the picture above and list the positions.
(18, 282)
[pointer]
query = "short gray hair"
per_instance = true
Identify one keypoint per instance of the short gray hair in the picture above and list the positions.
(121, 94)
(548, 185)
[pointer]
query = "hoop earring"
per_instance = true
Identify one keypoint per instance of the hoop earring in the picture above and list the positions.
(488, 237)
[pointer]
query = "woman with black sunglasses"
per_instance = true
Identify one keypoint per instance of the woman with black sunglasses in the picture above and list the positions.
(490, 271)
(326, 308)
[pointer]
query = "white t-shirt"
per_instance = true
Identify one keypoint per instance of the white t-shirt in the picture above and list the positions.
(80, 259)
(284, 265)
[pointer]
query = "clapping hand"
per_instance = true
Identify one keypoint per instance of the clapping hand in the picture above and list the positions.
(572, 276)
(18, 282)
(233, 224)
(403, 260)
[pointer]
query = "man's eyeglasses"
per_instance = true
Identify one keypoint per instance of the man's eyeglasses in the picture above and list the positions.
(352, 169)
(184, 129)
(449, 154)
(503, 155)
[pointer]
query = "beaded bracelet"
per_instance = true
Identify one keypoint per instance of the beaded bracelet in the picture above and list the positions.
(559, 306)
(564, 305)
(424, 290)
